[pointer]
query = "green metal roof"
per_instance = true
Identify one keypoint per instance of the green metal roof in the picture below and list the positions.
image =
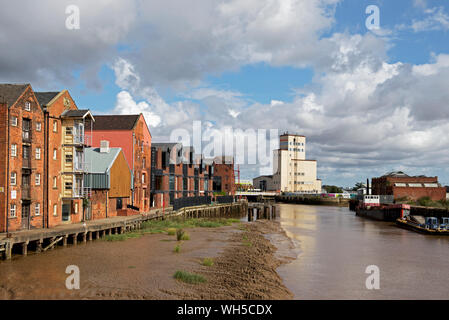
(98, 162)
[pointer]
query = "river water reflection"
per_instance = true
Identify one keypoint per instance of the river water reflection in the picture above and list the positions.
(336, 247)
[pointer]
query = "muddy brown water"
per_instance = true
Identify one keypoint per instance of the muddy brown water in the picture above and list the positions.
(335, 247)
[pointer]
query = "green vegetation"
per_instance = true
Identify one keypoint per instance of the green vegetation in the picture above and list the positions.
(131, 267)
(208, 262)
(170, 225)
(171, 231)
(425, 202)
(333, 189)
(189, 277)
(185, 236)
(247, 243)
(177, 249)
(179, 234)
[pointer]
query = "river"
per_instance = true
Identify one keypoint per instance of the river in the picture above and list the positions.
(335, 248)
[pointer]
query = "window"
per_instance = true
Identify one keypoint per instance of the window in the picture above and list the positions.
(143, 178)
(76, 207)
(68, 185)
(55, 209)
(68, 130)
(12, 211)
(14, 150)
(68, 158)
(37, 179)
(55, 182)
(14, 121)
(55, 154)
(37, 209)
(27, 106)
(119, 204)
(55, 126)
(38, 153)
(38, 126)
(13, 178)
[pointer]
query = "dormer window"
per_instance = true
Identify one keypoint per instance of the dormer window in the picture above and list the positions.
(27, 106)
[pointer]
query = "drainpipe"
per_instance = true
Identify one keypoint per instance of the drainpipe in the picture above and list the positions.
(7, 170)
(132, 175)
(367, 186)
(45, 182)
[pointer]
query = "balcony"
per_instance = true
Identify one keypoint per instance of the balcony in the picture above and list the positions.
(26, 163)
(81, 166)
(84, 139)
(26, 193)
(81, 192)
(26, 136)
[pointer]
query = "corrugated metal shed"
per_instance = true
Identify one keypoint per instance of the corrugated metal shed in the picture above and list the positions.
(99, 165)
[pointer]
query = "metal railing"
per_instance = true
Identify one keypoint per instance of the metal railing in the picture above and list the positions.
(26, 192)
(81, 192)
(26, 163)
(85, 139)
(81, 166)
(26, 136)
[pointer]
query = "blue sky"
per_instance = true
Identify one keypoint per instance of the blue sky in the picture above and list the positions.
(227, 62)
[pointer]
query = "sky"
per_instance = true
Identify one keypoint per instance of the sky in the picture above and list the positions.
(369, 100)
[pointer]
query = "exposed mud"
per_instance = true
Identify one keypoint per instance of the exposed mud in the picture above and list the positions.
(245, 263)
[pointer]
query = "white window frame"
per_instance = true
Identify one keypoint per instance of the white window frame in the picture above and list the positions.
(38, 153)
(38, 126)
(14, 121)
(27, 106)
(55, 126)
(13, 180)
(13, 211)
(55, 210)
(55, 182)
(55, 154)
(37, 209)
(14, 150)
(37, 179)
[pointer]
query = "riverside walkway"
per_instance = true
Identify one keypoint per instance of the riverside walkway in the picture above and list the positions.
(41, 240)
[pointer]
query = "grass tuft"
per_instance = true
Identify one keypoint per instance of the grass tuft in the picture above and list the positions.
(187, 277)
(208, 262)
(177, 249)
(171, 231)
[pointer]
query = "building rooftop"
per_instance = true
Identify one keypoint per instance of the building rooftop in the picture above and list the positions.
(396, 174)
(9, 93)
(45, 97)
(115, 122)
(76, 114)
(100, 162)
(165, 144)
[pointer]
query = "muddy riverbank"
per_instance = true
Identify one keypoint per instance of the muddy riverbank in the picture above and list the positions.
(244, 267)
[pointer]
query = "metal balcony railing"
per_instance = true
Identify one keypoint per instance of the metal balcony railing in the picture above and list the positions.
(26, 193)
(81, 166)
(26, 136)
(26, 163)
(85, 139)
(81, 192)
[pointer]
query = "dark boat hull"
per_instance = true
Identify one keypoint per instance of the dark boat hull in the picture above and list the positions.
(413, 227)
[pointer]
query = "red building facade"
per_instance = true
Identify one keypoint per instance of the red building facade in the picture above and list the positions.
(401, 185)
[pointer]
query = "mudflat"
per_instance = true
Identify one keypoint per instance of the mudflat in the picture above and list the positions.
(244, 261)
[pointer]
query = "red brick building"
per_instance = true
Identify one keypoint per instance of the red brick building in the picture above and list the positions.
(176, 172)
(22, 159)
(224, 175)
(66, 137)
(401, 185)
(131, 133)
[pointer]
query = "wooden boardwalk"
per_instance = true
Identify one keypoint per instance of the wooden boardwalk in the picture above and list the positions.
(45, 239)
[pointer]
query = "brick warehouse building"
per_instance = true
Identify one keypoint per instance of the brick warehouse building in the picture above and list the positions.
(224, 175)
(66, 137)
(21, 158)
(131, 133)
(401, 185)
(176, 172)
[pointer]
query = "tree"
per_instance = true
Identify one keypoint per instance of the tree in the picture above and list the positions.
(333, 189)
(358, 185)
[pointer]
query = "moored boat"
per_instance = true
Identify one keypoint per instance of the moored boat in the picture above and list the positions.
(425, 225)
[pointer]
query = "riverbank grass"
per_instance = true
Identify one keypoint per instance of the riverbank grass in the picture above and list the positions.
(208, 262)
(171, 226)
(188, 277)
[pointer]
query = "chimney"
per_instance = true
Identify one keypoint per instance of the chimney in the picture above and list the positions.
(367, 187)
(104, 146)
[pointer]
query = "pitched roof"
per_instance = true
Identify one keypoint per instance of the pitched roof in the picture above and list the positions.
(100, 162)
(115, 122)
(165, 144)
(45, 97)
(75, 113)
(9, 93)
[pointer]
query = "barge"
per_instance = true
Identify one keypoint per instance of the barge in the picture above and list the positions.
(425, 225)
(372, 208)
